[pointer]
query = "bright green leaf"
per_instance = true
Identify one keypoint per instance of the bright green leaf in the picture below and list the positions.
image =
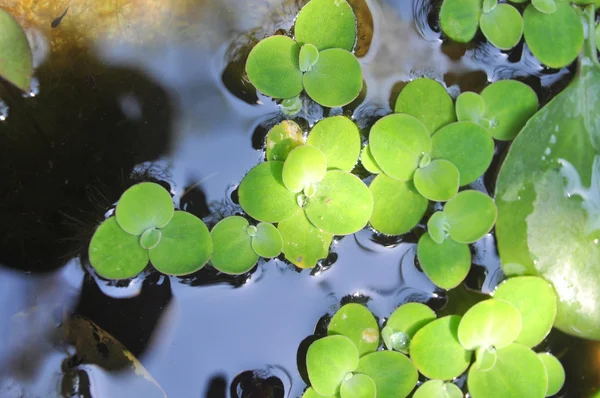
(470, 215)
(311, 393)
(554, 372)
(335, 80)
(404, 322)
(329, 360)
(184, 247)
(460, 19)
(144, 206)
(438, 389)
(358, 386)
(437, 226)
(273, 67)
(492, 322)
(303, 243)
(489, 5)
(233, 252)
(503, 26)
(339, 140)
(16, 61)
(282, 138)
(428, 101)
(393, 373)
(303, 166)
(485, 358)
(368, 161)
(357, 323)
(446, 264)
(545, 6)
(438, 181)
(326, 24)
(398, 207)
(309, 55)
(150, 238)
(470, 107)
(114, 253)
(267, 242)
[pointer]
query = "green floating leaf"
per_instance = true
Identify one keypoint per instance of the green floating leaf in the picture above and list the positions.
(342, 204)
(397, 143)
(309, 55)
(545, 6)
(339, 140)
(555, 39)
(466, 145)
(509, 105)
(447, 264)
(368, 161)
(273, 67)
(150, 238)
(428, 101)
(114, 253)
(470, 215)
(304, 165)
(267, 242)
(303, 243)
(502, 26)
(492, 322)
(335, 80)
(460, 19)
(404, 322)
(436, 352)
(485, 358)
(470, 107)
(282, 138)
(233, 252)
(328, 361)
(393, 373)
(518, 373)
(264, 197)
(489, 5)
(398, 207)
(311, 393)
(536, 301)
(185, 246)
(357, 323)
(554, 372)
(438, 389)
(326, 24)
(358, 386)
(437, 226)
(438, 181)
(144, 206)
(16, 61)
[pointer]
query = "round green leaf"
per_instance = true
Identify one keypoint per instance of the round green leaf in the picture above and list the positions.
(282, 138)
(404, 322)
(470, 107)
(273, 67)
(233, 252)
(468, 146)
(555, 39)
(393, 373)
(342, 204)
(397, 143)
(470, 215)
(309, 55)
(436, 352)
(368, 161)
(114, 253)
(326, 24)
(335, 80)
(438, 389)
(502, 26)
(264, 197)
(460, 19)
(358, 386)
(185, 246)
(428, 101)
(16, 61)
(303, 243)
(144, 206)
(304, 165)
(437, 226)
(446, 264)
(150, 238)
(438, 181)
(509, 105)
(267, 242)
(536, 300)
(518, 372)
(398, 207)
(492, 322)
(545, 6)
(485, 358)
(489, 5)
(329, 360)
(357, 323)
(311, 393)
(554, 372)
(339, 140)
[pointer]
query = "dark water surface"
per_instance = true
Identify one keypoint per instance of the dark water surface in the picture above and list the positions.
(158, 88)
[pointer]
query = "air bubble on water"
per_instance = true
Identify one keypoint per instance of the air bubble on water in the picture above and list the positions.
(34, 88)
(3, 111)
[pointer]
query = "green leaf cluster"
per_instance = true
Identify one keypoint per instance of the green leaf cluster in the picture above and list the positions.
(552, 28)
(318, 60)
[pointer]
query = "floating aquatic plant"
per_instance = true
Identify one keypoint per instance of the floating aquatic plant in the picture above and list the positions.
(16, 62)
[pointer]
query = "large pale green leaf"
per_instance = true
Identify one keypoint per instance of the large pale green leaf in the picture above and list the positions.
(394, 374)
(144, 206)
(490, 323)
(326, 24)
(548, 194)
(329, 361)
(273, 67)
(233, 252)
(16, 63)
(460, 19)
(357, 323)
(446, 264)
(303, 166)
(469, 216)
(502, 26)
(339, 139)
(303, 243)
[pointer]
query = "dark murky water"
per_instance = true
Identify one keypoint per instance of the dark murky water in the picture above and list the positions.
(166, 97)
